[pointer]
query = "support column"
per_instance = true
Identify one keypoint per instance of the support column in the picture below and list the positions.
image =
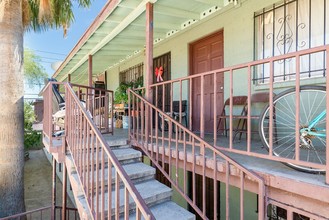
(69, 78)
(105, 79)
(64, 192)
(149, 52)
(90, 84)
(149, 65)
(90, 71)
(53, 204)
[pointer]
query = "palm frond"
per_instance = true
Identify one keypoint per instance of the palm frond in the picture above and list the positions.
(26, 13)
(34, 23)
(84, 3)
(45, 14)
(45, 11)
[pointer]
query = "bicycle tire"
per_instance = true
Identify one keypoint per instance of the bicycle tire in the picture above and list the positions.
(312, 103)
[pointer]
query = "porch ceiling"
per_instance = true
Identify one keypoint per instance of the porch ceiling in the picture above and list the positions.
(118, 33)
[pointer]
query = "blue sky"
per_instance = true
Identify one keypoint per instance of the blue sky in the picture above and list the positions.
(51, 46)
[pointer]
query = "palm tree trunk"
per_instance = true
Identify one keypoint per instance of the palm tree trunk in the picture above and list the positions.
(11, 108)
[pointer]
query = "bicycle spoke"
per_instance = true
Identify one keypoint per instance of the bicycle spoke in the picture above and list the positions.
(312, 147)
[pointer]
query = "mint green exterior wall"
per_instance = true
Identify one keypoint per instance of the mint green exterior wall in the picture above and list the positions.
(250, 203)
(237, 23)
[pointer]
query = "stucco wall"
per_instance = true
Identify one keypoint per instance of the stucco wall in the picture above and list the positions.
(237, 23)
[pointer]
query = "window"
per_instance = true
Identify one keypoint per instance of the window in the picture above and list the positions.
(290, 26)
(278, 213)
(132, 74)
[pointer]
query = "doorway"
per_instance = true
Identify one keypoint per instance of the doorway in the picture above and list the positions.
(205, 55)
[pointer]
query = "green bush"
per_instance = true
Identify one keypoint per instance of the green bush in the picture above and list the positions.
(32, 139)
(121, 95)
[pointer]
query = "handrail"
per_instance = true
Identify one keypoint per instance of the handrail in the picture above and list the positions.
(93, 100)
(252, 63)
(88, 87)
(41, 210)
(137, 131)
(32, 213)
(86, 142)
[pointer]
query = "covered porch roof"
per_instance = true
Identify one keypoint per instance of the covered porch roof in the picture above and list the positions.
(118, 32)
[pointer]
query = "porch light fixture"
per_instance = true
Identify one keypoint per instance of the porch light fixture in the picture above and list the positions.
(235, 2)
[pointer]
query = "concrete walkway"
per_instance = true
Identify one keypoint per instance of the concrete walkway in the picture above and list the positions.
(38, 183)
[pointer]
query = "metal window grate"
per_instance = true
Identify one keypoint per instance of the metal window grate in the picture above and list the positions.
(290, 26)
(131, 74)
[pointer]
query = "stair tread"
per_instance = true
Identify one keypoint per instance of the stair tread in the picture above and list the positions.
(134, 171)
(152, 191)
(117, 143)
(126, 153)
(168, 210)
(122, 154)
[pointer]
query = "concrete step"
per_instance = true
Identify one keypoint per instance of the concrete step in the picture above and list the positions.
(117, 143)
(124, 155)
(153, 192)
(156, 195)
(168, 210)
(137, 172)
(127, 155)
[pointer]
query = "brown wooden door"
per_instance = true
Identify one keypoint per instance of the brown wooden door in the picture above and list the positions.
(206, 55)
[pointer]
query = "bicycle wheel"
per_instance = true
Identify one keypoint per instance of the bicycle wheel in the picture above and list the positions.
(312, 147)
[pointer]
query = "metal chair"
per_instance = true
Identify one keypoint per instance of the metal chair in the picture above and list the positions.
(176, 114)
(238, 102)
(261, 98)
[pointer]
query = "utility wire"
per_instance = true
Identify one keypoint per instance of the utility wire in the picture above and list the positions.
(45, 61)
(41, 51)
(36, 84)
(50, 58)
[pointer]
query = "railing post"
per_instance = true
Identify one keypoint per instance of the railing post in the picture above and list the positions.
(49, 116)
(64, 192)
(53, 205)
(327, 109)
(90, 70)
(129, 114)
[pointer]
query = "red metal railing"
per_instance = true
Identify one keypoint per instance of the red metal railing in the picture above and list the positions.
(99, 103)
(278, 210)
(44, 213)
(94, 160)
(183, 89)
(180, 147)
